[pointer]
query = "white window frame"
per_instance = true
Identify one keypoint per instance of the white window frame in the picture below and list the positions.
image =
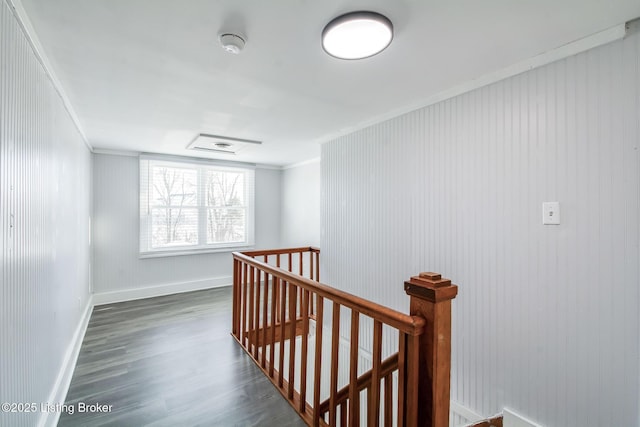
(146, 161)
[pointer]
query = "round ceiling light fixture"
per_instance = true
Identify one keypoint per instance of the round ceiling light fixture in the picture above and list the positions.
(232, 43)
(357, 35)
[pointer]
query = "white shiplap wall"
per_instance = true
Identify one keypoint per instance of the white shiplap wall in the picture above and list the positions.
(45, 199)
(547, 317)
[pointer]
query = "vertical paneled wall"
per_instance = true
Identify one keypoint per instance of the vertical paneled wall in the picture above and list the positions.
(547, 318)
(45, 184)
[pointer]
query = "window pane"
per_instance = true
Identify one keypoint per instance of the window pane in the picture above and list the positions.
(174, 186)
(174, 227)
(194, 206)
(225, 225)
(224, 189)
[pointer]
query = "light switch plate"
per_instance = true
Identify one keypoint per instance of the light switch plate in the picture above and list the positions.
(551, 213)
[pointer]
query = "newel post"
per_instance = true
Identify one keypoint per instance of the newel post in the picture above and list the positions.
(431, 297)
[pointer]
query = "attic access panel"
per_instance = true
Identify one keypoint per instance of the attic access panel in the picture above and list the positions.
(221, 144)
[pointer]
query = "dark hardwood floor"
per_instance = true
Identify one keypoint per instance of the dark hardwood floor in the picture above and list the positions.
(171, 361)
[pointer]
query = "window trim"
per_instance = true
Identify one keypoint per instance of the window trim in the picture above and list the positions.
(201, 165)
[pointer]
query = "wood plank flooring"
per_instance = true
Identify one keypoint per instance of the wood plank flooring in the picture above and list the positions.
(171, 361)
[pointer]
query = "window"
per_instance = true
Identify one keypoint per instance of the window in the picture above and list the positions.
(194, 206)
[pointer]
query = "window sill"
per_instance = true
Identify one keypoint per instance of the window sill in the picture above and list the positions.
(170, 253)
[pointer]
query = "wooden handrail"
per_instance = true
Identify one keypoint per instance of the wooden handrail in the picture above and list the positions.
(273, 311)
(263, 252)
(412, 325)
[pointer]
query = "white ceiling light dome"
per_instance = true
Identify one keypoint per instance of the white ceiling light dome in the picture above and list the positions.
(357, 35)
(232, 43)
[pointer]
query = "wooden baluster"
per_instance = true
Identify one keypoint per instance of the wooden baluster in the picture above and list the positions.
(335, 341)
(311, 309)
(300, 258)
(373, 410)
(265, 259)
(343, 414)
(368, 394)
(317, 373)
(235, 308)
(250, 314)
(277, 292)
(283, 305)
(305, 345)
(290, 262)
(317, 266)
(241, 301)
(411, 381)
(243, 319)
(402, 373)
(275, 282)
(431, 297)
(256, 345)
(265, 309)
(354, 395)
(388, 400)
(292, 337)
(301, 261)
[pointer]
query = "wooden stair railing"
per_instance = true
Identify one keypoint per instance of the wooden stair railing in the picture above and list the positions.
(363, 382)
(275, 308)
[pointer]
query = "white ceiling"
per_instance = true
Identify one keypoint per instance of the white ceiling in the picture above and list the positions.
(149, 75)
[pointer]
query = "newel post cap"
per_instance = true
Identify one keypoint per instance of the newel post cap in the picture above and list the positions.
(431, 287)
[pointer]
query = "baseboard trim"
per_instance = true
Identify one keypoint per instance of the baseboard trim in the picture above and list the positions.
(102, 298)
(513, 419)
(509, 417)
(468, 414)
(63, 381)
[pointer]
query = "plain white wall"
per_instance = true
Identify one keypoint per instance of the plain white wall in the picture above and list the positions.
(268, 208)
(547, 321)
(117, 267)
(45, 200)
(301, 205)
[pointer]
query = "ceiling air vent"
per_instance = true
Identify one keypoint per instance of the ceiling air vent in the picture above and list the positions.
(221, 144)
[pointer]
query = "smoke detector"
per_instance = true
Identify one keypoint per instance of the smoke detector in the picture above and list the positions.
(232, 43)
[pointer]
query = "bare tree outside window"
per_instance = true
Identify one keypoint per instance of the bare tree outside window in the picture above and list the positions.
(174, 212)
(225, 200)
(194, 207)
